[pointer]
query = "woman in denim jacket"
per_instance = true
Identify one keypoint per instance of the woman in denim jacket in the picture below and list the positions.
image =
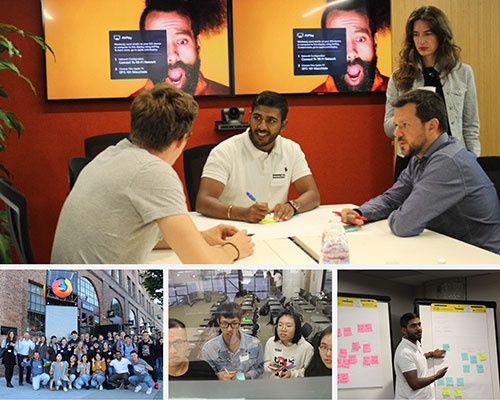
(430, 58)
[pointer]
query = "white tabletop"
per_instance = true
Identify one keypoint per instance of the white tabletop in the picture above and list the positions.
(371, 244)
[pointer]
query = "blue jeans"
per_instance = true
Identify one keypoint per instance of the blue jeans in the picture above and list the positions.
(159, 367)
(44, 378)
(82, 380)
(72, 378)
(99, 380)
(138, 379)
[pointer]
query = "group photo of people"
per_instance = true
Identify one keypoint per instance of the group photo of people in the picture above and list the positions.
(82, 361)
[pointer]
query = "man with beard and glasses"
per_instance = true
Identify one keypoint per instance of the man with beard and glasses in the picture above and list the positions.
(443, 188)
(361, 45)
(184, 21)
(410, 362)
(248, 175)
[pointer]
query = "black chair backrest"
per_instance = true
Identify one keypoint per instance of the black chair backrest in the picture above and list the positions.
(491, 165)
(306, 330)
(95, 144)
(75, 166)
(194, 161)
(17, 219)
(302, 292)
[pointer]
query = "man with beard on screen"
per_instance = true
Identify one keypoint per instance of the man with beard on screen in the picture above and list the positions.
(184, 20)
(361, 25)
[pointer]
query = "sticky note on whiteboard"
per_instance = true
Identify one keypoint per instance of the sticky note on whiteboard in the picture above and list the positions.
(460, 381)
(482, 356)
(367, 348)
(466, 368)
(344, 378)
(339, 332)
(480, 369)
(449, 381)
(465, 357)
(458, 392)
(367, 360)
(343, 352)
(356, 346)
(440, 382)
(446, 391)
(353, 358)
(473, 359)
(347, 332)
(446, 347)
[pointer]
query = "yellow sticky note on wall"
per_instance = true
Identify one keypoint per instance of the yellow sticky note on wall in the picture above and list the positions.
(458, 392)
(482, 356)
(446, 391)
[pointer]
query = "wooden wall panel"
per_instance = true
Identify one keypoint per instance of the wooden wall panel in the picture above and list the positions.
(475, 25)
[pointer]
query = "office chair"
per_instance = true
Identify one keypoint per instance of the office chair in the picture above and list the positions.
(17, 220)
(491, 165)
(306, 330)
(95, 144)
(194, 161)
(75, 166)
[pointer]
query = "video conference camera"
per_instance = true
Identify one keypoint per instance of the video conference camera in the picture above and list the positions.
(232, 119)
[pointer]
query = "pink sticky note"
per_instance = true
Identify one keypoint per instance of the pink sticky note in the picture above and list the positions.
(347, 332)
(353, 358)
(367, 360)
(339, 332)
(361, 327)
(344, 378)
(346, 363)
(343, 352)
(374, 359)
(368, 328)
(356, 346)
(367, 348)
(339, 362)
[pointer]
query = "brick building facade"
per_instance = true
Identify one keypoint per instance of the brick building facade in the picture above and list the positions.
(106, 297)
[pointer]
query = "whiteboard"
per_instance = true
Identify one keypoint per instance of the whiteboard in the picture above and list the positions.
(364, 355)
(467, 331)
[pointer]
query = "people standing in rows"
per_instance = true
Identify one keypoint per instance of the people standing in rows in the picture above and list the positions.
(23, 347)
(73, 341)
(431, 59)
(128, 346)
(41, 346)
(64, 349)
(9, 356)
(80, 350)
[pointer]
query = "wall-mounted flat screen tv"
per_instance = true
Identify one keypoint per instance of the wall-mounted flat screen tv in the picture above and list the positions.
(311, 46)
(115, 49)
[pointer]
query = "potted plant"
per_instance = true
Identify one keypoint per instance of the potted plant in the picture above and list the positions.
(9, 121)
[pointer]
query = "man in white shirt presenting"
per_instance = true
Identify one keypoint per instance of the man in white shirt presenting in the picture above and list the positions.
(249, 175)
(410, 362)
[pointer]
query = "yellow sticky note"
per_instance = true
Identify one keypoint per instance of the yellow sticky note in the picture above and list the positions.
(458, 392)
(267, 220)
(482, 356)
(446, 391)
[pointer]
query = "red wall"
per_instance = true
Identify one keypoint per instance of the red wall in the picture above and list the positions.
(341, 135)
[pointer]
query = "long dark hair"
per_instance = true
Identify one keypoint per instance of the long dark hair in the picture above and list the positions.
(7, 339)
(447, 53)
(316, 367)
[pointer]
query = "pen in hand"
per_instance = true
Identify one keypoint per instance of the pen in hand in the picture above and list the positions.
(351, 216)
(252, 197)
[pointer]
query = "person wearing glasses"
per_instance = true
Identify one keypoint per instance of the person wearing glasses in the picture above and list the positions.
(179, 366)
(287, 354)
(233, 354)
(321, 363)
(249, 175)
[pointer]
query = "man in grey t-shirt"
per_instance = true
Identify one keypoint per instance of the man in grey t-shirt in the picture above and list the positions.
(129, 199)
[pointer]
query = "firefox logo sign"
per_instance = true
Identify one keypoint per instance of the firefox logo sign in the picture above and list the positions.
(62, 287)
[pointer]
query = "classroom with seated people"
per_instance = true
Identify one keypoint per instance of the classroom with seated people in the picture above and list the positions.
(255, 329)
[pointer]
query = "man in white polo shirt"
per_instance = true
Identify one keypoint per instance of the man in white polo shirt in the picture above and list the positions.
(249, 175)
(410, 362)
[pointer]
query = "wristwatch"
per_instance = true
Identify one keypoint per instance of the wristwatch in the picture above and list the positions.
(295, 205)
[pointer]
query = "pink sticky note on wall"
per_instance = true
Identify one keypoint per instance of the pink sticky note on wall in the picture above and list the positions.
(374, 360)
(339, 332)
(361, 327)
(367, 360)
(339, 362)
(368, 328)
(343, 352)
(344, 378)
(347, 332)
(346, 363)
(367, 348)
(356, 346)
(353, 358)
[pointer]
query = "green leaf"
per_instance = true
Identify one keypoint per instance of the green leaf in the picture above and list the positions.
(3, 93)
(5, 170)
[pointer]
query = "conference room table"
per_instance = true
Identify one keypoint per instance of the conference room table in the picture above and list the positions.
(298, 241)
